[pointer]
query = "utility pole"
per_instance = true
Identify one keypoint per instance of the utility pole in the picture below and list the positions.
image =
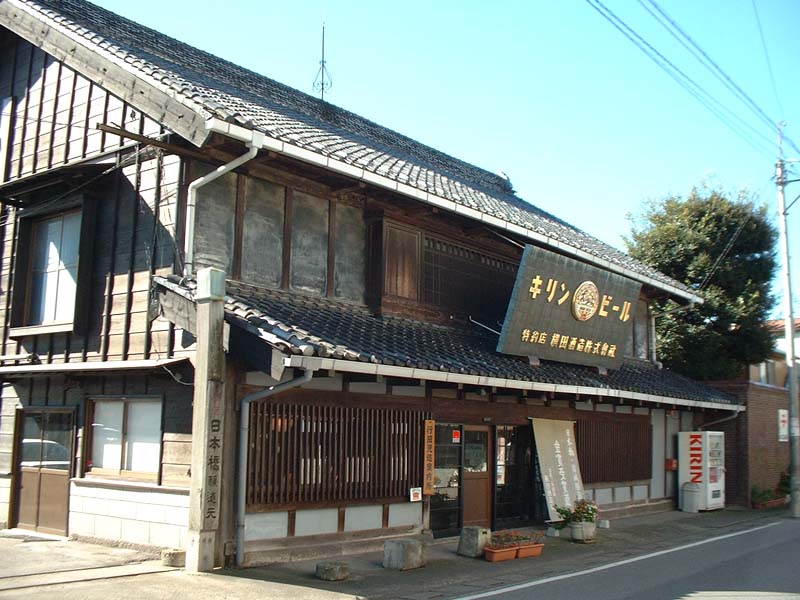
(794, 410)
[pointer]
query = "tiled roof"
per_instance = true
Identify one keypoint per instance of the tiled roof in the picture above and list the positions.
(777, 326)
(220, 89)
(312, 326)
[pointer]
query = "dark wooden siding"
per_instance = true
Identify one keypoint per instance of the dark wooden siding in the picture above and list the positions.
(55, 111)
(612, 451)
(135, 224)
(301, 454)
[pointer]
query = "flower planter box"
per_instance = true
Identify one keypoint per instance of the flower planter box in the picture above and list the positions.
(774, 503)
(529, 550)
(500, 554)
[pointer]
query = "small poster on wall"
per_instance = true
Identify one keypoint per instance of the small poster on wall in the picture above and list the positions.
(415, 494)
(783, 425)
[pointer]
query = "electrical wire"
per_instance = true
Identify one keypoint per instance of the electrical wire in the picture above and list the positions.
(663, 19)
(686, 82)
(709, 63)
(769, 62)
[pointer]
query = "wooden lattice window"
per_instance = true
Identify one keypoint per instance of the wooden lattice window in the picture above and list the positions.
(612, 451)
(466, 280)
(307, 454)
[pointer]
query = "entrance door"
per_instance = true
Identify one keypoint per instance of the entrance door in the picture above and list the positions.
(44, 464)
(477, 480)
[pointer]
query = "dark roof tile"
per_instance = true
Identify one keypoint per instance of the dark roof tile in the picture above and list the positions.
(218, 88)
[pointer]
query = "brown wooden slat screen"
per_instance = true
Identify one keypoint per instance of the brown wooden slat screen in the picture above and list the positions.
(308, 454)
(614, 450)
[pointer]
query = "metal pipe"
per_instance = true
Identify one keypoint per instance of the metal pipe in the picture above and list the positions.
(253, 146)
(241, 472)
(718, 421)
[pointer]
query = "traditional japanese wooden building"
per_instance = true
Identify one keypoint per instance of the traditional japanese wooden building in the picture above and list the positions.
(367, 281)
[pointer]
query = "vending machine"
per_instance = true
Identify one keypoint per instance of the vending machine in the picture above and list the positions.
(701, 465)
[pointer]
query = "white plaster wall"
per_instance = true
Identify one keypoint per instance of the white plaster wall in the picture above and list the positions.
(671, 451)
(687, 419)
(657, 419)
(640, 492)
(266, 526)
(149, 515)
(359, 518)
(405, 513)
(5, 500)
(314, 521)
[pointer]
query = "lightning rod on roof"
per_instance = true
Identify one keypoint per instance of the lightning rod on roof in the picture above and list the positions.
(323, 81)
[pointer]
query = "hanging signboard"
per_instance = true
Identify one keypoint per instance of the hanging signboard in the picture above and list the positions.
(428, 474)
(558, 463)
(562, 309)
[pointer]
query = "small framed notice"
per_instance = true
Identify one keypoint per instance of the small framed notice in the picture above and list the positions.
(415, 494)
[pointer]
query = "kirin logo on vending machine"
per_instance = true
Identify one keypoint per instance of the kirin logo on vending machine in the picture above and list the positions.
(696, 458)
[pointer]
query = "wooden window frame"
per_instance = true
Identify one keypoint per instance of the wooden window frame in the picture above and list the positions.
(21, 291)
(91, 472)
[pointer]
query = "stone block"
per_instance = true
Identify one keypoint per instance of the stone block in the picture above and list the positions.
(403, 554)
(604, 524)
(552, 532)
(333, 571)
(472, 541)
(173, 557)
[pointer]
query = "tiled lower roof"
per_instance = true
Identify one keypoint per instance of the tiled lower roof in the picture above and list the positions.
(310, 326)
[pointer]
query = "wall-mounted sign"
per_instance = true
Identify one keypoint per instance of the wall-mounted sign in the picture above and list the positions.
(783, 425)
(456, 436)
(429, 442)
(558, 463)
(415, 494)
(562, 309)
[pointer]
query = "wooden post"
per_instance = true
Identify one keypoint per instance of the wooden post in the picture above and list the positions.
(207, 422)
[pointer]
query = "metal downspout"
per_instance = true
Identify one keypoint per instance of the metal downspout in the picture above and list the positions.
(191, 202)
(241, 472)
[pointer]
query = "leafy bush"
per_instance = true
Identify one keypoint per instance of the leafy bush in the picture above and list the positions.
(584, 511)
(785, 484)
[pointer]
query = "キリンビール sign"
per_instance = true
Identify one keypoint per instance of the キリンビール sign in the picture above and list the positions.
(562, 309)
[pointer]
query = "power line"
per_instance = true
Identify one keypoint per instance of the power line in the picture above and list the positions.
(766, 56)
(663, 19)
(720, 73)
(681, 78)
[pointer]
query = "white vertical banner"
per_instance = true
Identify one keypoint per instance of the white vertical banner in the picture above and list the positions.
(558, 463)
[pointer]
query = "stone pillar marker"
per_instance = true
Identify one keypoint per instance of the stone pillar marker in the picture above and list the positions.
(207, 422)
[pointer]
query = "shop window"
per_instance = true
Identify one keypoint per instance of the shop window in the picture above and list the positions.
(447, 476)
(52, 269)
(514, 490)
(125, 438)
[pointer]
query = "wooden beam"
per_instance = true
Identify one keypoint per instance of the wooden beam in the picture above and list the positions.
(173, 148)
(136, 91)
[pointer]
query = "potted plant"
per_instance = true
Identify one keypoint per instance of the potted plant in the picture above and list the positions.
(581, 519)
(510, 543)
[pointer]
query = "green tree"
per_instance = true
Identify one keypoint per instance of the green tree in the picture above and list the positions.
(685, 238)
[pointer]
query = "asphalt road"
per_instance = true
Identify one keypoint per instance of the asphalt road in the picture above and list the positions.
(762, 560)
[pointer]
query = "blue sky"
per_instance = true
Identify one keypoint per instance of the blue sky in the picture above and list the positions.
(547, 91)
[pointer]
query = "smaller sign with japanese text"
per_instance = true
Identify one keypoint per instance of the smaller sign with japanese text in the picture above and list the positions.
(428, 474)
(783, 425)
